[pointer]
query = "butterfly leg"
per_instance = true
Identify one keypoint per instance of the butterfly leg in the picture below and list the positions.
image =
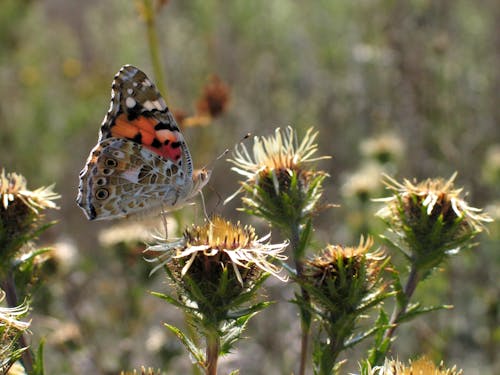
(163, 215)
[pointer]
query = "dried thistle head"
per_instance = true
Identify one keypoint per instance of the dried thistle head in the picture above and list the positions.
(218, 252)
(342, 278)
(214, 99)
(430, 219)
(281, 184)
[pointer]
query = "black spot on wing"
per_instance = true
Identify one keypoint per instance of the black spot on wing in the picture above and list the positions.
(165, 125)
(137, 138)
(156, 143)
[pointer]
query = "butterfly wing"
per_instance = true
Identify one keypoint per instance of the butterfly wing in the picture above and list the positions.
(141, 161)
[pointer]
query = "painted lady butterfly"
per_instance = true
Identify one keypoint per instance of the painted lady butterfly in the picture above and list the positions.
(141, 161)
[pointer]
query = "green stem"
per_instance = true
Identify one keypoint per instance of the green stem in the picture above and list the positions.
(409, 289)
(213, 348)
(305, 315)
(154, 46)
(9, 288)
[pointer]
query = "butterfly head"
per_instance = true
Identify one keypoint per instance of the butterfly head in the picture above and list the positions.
(200, 179)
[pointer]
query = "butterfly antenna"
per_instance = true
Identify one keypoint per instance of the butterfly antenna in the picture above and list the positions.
(225, 152)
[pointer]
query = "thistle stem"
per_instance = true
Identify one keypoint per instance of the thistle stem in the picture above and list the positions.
(154, 46)
(213, 348)
(304, 314)
(9, 288)
(409, 289)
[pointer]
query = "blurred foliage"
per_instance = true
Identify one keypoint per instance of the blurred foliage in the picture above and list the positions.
(424, 71)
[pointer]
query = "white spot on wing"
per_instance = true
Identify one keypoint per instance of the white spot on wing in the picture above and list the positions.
(131, 175)
(130, 102)
(148, 104)
(130, 91)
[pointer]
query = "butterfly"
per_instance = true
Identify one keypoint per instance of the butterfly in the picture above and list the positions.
(141, 162)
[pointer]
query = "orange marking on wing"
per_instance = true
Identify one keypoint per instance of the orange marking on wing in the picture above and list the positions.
(124, 128)
(146, 127)
(129, 129)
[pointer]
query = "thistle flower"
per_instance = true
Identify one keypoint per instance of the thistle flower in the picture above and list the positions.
(343, 283)
(13, 190)
(364, 183)
(20, 209)
(281, 185)
(430, 220)
(341, 273)
(11, 328)
(220, 243)
(216, 270)
(385, 148)
(422, 366)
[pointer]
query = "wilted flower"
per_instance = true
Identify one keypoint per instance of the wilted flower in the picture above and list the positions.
(20, 209)
(422, 366)
(430, 220)
(280, 185)
(214, 99)
(343, 283)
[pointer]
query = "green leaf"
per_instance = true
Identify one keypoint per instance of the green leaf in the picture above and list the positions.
(38, 363)
(249, 311)
(196, 352)
(414, 311)
(377, 353)
(174, 301)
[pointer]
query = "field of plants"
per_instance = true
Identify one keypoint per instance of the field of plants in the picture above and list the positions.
(324, 108)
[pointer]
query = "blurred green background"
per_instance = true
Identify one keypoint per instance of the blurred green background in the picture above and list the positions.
(411, 88)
